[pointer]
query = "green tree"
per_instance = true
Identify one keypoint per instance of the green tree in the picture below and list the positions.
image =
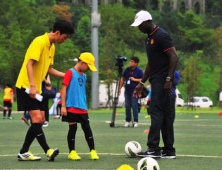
(82, 37)
(191, 75)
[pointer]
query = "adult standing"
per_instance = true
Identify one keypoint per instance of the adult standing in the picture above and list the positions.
(37, 63)
(162, 62)
(8, 101)
(131, 76)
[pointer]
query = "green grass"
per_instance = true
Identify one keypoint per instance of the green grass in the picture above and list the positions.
(197, 142)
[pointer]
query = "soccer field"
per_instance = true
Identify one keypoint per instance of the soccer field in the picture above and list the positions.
(198, 143)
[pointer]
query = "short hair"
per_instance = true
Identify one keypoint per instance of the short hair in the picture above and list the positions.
(136, 59)
(64, 27)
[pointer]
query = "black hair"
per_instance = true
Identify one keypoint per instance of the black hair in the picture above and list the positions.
(64, 27)
(136, 59)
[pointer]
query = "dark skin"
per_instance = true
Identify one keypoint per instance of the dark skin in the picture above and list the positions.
(147, 27)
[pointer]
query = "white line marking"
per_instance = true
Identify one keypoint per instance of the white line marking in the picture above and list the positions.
(123, 154)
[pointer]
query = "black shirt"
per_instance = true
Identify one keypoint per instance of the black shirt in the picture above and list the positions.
(157, 43)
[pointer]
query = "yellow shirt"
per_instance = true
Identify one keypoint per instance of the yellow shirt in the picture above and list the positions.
(43, 52)
(7, 94)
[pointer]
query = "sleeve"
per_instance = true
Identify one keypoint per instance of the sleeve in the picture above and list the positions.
(67, 78)
(125, 72)
(12, 91)
(35, 49)
(176, 78)
(165, 42)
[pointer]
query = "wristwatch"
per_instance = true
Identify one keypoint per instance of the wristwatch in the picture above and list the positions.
(169, 79)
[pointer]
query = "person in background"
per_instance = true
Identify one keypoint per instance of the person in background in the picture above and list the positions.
(148, 101)
(176, 79)
(46, 82)
(8, 101)
(220, 100)
(131, 76)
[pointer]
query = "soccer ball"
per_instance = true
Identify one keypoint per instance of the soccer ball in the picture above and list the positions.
(148, 164)
(132, 148)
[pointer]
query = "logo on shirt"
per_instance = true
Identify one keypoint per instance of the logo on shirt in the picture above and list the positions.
(50, 56)
(80, 80)
(152, 41)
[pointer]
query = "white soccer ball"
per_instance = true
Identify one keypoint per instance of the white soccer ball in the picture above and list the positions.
(132, 148)
(148, 164)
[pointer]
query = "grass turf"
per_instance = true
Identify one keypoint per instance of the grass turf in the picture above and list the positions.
(197, 140)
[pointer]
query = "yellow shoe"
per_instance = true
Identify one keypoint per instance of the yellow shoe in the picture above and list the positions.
(52, 153)
(93, 155)
(147, 116)
(28, 156)
(74, 156)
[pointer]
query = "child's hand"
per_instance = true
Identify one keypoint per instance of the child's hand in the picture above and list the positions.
(63, 111)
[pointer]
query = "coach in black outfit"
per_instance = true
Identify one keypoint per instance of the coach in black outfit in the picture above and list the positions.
(162, 62)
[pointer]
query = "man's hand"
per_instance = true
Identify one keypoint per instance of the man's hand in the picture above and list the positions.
(64, 111)
(168, 87)
(138, 90)
(132, 78)
(32, 92)
(119, 92)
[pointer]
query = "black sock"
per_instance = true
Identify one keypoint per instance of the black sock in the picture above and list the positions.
(88, 135)
(71, 136)
(4, 112)
(40, 136)
(9, 112)
(28, 140)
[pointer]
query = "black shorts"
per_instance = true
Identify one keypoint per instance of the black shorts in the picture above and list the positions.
(73, 117)
(26, 103)
(7, 104)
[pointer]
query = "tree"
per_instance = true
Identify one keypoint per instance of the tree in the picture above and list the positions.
(192, 75)
(82, 36)
(62, 12)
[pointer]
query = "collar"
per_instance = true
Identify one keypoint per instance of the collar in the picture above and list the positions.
(155, 29)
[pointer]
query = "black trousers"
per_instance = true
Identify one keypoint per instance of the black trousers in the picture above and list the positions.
(172, 105)
(46, 109)
(161, 119)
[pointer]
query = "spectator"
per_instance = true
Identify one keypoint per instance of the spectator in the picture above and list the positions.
(132, 76)
(8, 101)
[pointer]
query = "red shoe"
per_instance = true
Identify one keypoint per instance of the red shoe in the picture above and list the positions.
(25, 120)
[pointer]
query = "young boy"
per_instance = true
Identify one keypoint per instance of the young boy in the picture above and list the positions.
(74, 105)
(38, 62)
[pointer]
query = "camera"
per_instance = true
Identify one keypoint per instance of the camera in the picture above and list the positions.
(119, 60)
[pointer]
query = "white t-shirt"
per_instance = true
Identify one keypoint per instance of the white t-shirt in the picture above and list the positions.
(220, 98)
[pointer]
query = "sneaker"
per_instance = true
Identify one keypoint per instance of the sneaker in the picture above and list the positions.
(147, 116)
(10, 118)
(3, 117)
(25, 120)
(150, 153)
(74, 156)
(127, 124)
(45, 124)
(52, 153)
(28, 156)
(168, 155)
(135, 124)
(93, 155)
(56, 117)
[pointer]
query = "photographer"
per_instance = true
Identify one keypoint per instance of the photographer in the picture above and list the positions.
(132, 76)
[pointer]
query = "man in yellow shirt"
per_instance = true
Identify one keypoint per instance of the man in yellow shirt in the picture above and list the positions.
(37, 63)
(8, 100)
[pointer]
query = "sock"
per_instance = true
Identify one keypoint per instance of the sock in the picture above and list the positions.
(9, 112)
(28, 140)
(88, 135)
(71, 136)
(40, 136)
(4, 112)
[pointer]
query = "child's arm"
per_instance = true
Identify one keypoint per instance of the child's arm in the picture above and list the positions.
(63, 97)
